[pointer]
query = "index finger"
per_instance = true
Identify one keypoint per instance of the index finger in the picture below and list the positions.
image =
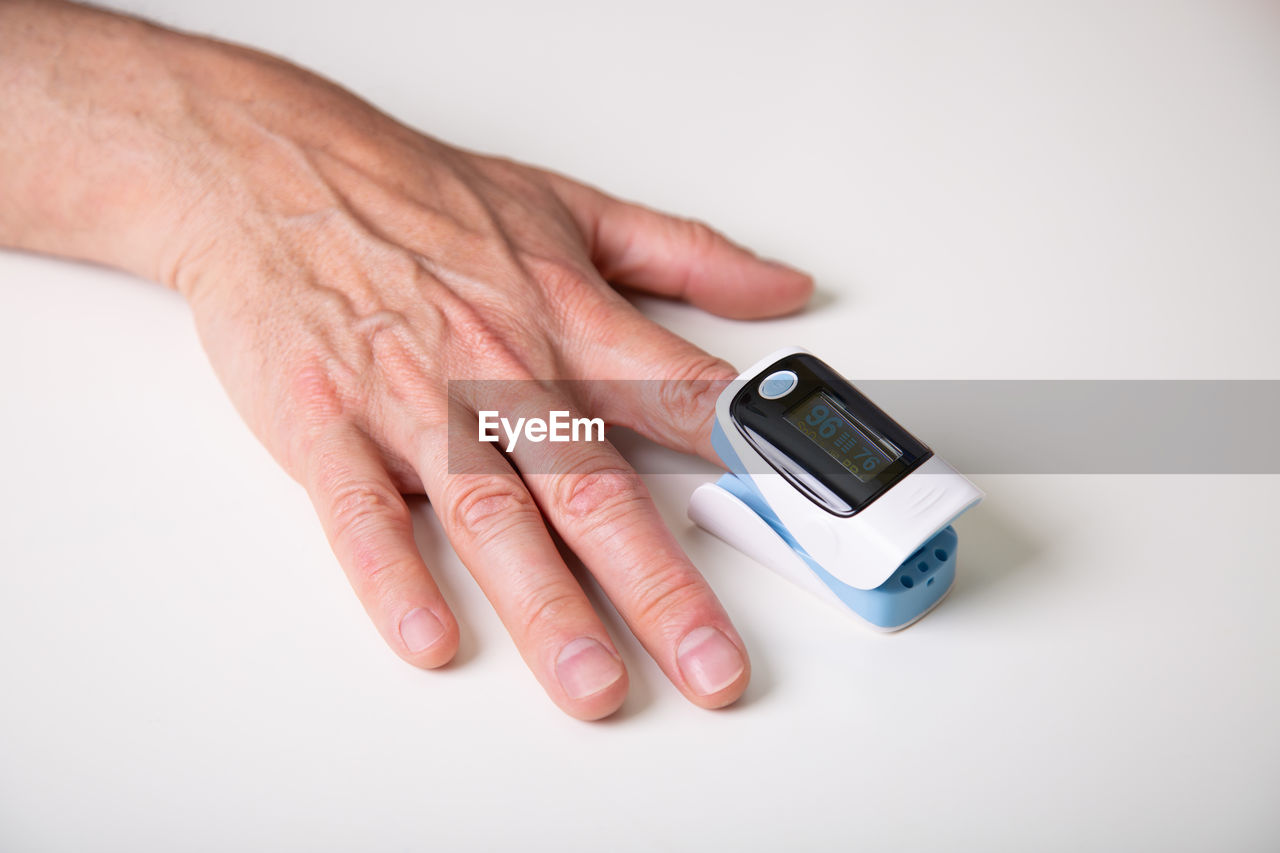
(651, 380)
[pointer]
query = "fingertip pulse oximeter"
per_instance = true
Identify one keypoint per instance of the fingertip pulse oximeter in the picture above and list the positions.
(832, 493)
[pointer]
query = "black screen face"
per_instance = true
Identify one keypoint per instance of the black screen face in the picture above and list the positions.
(860, 451)
(824, 436)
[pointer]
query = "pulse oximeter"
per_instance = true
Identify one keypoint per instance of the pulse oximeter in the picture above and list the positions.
(832, 493)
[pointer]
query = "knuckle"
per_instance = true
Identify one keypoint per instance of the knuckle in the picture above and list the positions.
(690, 395)
(316, 398)
(356, 510)
(661, 594)
(485, 505)
(315, 392)
(558, 275)
(602, 494)
(701, 237)
(357, 506)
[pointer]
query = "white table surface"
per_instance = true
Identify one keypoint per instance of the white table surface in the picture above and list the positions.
(983, 190)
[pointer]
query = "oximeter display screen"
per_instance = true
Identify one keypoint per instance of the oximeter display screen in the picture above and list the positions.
(822, 435)
(824, 422)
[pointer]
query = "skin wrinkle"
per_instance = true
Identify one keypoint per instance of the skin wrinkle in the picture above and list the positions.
(608, 493)
(543, 604)
(177, 256)
(485, 507)
(666, 590)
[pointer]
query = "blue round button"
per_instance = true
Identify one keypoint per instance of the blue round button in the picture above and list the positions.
(777, 384)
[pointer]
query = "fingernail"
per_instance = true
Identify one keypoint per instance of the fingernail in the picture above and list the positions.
(708, 660)
(585, 667)
(420, 629)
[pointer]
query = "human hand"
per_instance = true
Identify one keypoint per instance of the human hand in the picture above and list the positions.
(342, 268)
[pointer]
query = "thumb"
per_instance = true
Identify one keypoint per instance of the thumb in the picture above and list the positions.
(681, 258)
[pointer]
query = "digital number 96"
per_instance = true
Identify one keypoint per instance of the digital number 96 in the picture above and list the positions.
(820, 416)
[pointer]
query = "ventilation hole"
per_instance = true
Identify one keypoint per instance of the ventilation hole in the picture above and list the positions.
(907, 581)
(930, 581)
(924, 567)
(940, 554)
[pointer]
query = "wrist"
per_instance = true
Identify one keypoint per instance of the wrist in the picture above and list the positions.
(94, 163)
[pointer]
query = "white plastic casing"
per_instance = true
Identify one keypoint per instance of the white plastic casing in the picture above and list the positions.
(723, 515)
(864, 549)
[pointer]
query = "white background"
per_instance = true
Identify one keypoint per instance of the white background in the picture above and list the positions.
(983, 190)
